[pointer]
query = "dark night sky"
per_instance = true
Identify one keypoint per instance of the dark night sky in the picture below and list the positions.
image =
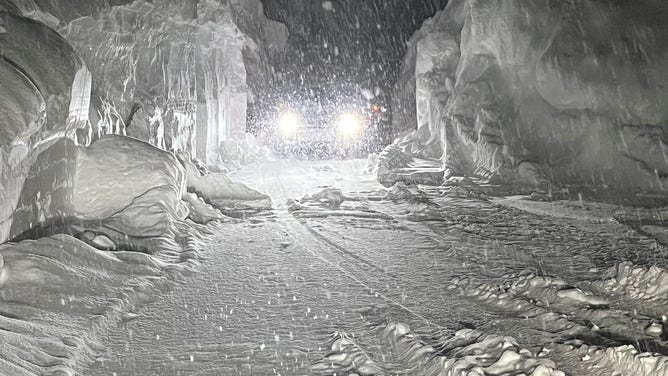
(360, 41)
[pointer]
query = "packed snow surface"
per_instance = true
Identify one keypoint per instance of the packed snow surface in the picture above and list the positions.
(346, 277)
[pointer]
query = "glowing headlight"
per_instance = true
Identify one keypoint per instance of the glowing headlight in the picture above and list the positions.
(289, 124)
(349, 126)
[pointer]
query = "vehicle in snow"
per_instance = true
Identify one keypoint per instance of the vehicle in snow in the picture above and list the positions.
(316, 126)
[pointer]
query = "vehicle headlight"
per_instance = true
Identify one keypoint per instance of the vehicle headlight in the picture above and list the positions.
(289, 123)
(349, 126)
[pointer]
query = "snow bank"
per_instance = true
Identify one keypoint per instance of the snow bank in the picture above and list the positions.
(624, 360)
(38, 74)
(468, 352)
(119, 187)
(121, 195)
(530, 92)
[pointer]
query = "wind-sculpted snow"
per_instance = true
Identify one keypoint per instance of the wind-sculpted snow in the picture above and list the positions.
(178, 77)
(590, 313)
(58, 293)
(122, 193)
(635, 284)
(177, 74)
(529, 93)
(466, 353)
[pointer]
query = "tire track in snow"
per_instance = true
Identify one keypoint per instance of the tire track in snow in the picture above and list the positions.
(289, 219)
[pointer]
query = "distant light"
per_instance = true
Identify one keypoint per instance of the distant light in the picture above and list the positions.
(289, 124)
(349, 126)
(375, 108)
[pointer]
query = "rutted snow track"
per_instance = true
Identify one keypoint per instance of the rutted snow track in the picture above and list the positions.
(410, 284)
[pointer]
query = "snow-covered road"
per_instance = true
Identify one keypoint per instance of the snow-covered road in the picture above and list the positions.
(414, 282)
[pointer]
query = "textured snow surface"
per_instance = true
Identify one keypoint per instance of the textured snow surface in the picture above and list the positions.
(134, 231)
(411, 280)
(58, 293)
(467, 352)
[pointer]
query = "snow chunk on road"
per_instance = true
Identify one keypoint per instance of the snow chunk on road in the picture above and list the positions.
(467, 352)
(329, 197)
(640, 283)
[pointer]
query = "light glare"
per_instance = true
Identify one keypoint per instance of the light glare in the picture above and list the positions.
(289, 124)
(349, 126)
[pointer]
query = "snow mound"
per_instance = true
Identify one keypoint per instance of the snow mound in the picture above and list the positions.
(424, 213)
(330, 197)
(123, 192)
(201, 212)
(592, 313)
(332, 202)
(467, 352)
(396, 164)
(622, 360)
(371, 166)
(401, 191)
(219, 191)
(390, 159)
(636, 282)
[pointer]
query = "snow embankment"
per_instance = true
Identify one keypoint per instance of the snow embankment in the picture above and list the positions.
(504, 90)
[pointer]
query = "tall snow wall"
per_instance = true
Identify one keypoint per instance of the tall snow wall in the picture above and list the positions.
(178, 74)
(530, 92)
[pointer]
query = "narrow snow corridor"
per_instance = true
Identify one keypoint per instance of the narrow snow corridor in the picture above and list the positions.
(391, 283)
(334, 187)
